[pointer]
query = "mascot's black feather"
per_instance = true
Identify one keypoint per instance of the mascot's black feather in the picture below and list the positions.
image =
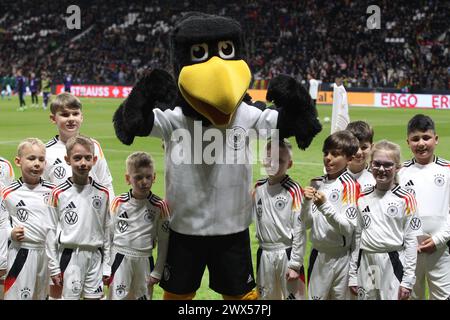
(297, 114)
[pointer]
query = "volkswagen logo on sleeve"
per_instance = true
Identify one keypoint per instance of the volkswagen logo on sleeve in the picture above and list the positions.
(415, 223)
(59, 172)
(351, 213)
(122, 225)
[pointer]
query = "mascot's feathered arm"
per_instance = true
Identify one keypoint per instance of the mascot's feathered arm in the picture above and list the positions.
(134, 117)
(297, 115)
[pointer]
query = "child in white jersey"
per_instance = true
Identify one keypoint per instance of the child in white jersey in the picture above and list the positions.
(428, 178)
(6, 173)
(281, 236)
(67, 115)
(384, 255)
(25, 204)
(140, 220)
(358, 167)
(330, 211)
(6, 178)
(80, 207)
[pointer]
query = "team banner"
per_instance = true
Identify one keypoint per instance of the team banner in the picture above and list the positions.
(367, 99)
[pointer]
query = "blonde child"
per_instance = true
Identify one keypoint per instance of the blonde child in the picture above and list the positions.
(140, 220)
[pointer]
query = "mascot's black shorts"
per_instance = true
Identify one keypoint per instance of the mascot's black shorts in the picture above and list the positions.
(228, 258)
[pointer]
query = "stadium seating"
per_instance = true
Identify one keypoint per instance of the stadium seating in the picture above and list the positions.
(119, 39)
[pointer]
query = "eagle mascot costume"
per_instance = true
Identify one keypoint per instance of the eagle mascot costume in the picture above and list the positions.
(210, 201)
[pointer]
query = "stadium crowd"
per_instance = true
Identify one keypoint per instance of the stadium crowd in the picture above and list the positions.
(119, 39)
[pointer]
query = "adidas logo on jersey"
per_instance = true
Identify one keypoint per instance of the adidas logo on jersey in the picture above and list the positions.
(291, 297)
(366, 209)
(99, 290)
(20, 204)
(57, 161)
(70, 206)
(124, 215)
(409, 183)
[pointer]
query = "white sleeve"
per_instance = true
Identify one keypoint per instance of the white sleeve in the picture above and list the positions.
(305, 213)
(163, 245)
(51, 244)
(411, 231)
(340, 221)
(101, 170)
(4, 221)
(441, 238)
(298, 242)
(107, 243)
(353, 264)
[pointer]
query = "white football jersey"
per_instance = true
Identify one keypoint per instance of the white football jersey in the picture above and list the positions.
(365, 179)
(57, 170)
(27, 206)
(314, 88)
(81, 213)
(138, 225)
(431, 186)
(333, 223)
(387, 222)
(216, 196)
(6, 173)
(276, 211)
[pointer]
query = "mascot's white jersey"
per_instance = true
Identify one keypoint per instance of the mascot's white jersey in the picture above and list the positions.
(209, 170)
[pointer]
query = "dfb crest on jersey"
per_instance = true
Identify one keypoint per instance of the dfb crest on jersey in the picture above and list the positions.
(46, 197)
(22, 215)
(392, 209)
(149, 215)
(236, 138)
(97, 202)
(334, 195)
(60, 172)
(123, 225)
(280, 202)
(76, 286)
(120, 290)
(439, 180)
(25, 294)
(71, 217)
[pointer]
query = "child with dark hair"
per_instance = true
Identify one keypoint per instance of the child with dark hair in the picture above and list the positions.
(358, 167)
(330, 211)
(428, 177)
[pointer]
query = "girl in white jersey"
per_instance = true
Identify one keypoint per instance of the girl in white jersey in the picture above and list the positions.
(385, 249)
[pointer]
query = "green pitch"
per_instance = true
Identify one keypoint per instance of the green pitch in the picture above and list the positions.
(15, 125)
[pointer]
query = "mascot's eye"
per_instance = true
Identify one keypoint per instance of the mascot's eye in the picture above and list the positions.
(226, 49)
(199, 52)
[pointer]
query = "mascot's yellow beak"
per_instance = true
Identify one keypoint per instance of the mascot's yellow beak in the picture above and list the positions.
(215, 88)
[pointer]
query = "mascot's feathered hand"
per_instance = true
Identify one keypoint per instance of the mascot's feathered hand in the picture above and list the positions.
(156, 89)
(297, 115)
